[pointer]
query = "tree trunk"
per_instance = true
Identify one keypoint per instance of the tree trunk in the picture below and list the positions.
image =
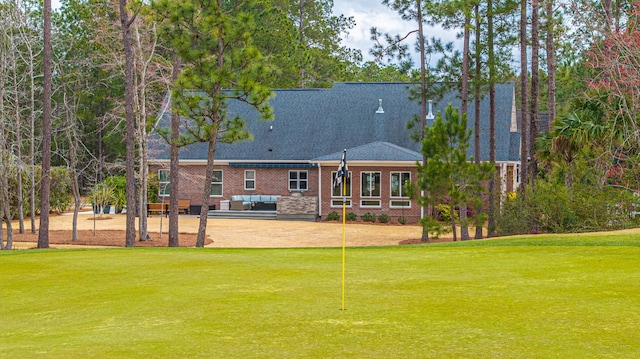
(18, 132)
(206, 193)
(464, 97)
(476, 121)
(175, 165)
(43, 233)
(492, 119)
(423, 100)
(130, 124)
(551, 62)
(533, 129)
(524, 103)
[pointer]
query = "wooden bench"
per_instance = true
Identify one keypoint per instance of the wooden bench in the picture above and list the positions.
(183, 205)
(162, 208)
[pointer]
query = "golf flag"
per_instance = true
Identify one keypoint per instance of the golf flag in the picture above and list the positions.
(343, 171)
(341, 176)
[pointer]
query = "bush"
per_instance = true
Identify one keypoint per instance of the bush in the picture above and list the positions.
(444, 212)
(153, 186)
(368, 217)
(383, 218)
(60, 189)
(352, 217)
(554, 208)
(100, 197)
(332, 216)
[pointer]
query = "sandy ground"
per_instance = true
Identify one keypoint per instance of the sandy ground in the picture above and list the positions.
(225, 233)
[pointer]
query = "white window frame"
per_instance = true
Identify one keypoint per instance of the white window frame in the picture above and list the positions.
(393, 203)
(248, 180)
(214, 182)
(369, 200)
(297, 180)
(164, 187)
(336, 200)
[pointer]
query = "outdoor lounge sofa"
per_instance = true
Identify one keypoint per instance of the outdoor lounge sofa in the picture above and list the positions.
(257, 202)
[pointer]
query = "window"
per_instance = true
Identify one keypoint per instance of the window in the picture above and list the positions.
(164, 184)
(337, 191)
(250, 179)
(370, 187)
(298, 180)
(216, 183)
(398, 182)
(399, 196)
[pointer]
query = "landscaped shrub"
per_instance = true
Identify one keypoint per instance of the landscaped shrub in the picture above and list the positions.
(100, 197)
(444, 213)
(352, 217)
(333, 216)
(368, 217)
(383, 218)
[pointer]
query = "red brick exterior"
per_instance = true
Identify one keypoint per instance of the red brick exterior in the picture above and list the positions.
(275, 181)
(411, 215)
(268, 181)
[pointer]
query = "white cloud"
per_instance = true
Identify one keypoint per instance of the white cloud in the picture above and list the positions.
(368, 14)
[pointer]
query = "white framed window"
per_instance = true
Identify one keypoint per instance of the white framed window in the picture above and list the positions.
(370, 190)
(370, 184)
(164, 188)
(338, 203)
(298, 180)
(398, 191)
(216, 184)
(250, 179)
(400, 203)
(398, 182)
(337, 191)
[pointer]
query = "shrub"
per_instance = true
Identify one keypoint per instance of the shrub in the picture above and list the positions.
(444, 212)
(153, 186)
(352, 217)
(100, 196)
(60, 189)
(368, 217)
(555, 208)
(383, 218)
(333, 216)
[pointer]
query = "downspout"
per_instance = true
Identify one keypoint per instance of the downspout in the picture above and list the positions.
(319, 190)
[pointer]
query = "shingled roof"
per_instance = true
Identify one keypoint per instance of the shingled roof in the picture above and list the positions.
(313, 125)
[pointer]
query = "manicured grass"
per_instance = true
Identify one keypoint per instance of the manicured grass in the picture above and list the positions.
(527, 297)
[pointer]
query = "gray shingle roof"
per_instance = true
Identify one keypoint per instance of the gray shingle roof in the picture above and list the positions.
(317, 124)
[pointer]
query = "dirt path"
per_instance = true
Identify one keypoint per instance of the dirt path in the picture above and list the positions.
(222, 233)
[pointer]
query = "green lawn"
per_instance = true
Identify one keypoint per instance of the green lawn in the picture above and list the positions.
(528, 297)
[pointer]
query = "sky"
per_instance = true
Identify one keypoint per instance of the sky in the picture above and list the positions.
(369, 13)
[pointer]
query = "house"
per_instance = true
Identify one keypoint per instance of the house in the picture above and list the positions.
(296, 155)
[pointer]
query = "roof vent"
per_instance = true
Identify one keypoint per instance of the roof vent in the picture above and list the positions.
(380, 110)
(430, 115)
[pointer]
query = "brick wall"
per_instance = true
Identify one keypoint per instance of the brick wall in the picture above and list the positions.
(268, 181)
(412, 214)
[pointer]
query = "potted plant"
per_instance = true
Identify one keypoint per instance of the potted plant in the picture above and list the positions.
(100, 196)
